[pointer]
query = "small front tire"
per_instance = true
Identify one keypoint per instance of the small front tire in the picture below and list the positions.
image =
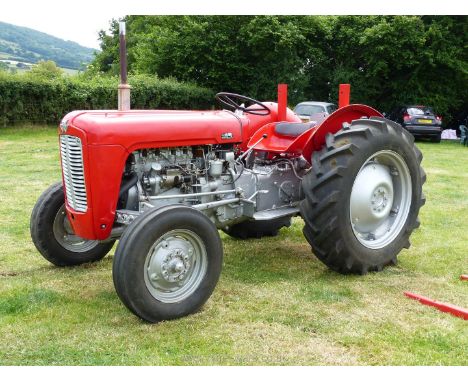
(167, 263)
(53, 236)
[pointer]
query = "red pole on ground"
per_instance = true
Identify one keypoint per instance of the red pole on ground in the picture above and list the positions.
(464, 277)
(282, 101)
(344, 95)
(442, 306)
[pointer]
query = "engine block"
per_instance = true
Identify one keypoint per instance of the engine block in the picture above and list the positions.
(209, 178)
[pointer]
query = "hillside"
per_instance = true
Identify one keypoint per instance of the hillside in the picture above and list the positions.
(25, 44)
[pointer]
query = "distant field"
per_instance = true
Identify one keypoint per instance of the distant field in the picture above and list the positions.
(275, 302)
(13, 62)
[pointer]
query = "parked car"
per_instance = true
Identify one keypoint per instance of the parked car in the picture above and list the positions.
(419, 120)
(305, 110)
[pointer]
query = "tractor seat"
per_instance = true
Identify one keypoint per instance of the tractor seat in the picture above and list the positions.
(293, 129)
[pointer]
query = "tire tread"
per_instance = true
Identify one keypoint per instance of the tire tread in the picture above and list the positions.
(323, 187)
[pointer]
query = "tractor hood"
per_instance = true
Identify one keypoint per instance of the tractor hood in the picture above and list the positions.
(155, 128)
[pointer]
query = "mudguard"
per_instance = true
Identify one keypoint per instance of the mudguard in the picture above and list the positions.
(312, 139)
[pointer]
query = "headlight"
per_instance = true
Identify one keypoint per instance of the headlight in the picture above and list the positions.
(64, 125)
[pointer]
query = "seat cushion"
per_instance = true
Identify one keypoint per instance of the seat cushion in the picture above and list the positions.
(293, 129)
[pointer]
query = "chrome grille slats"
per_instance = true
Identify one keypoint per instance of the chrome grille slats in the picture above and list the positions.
(73, 172)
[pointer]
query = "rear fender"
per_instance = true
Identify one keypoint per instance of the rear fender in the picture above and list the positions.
(308, 143)
(312, 139)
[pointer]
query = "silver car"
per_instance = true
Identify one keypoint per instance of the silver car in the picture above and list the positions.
(309, 110)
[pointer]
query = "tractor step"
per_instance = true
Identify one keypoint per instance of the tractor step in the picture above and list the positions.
(276, 213)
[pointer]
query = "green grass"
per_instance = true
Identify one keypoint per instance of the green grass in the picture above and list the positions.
(275, 302)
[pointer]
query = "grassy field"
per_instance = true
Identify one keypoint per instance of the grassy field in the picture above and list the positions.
(275, 302)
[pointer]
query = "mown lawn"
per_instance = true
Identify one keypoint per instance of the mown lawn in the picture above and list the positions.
(275, 302)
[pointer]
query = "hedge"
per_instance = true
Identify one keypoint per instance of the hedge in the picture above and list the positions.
(38, 100)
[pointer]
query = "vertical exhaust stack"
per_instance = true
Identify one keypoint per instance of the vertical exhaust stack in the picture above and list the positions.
(124, 88)
(344, 95)
(282, 101)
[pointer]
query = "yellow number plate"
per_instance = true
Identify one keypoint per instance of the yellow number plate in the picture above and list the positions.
(425, 120)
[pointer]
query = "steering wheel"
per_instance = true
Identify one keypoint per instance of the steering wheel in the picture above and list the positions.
(239, 102)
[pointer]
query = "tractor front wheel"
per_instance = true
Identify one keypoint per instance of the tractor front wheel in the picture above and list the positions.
(53, 235)
(167, 263)
(363, 196)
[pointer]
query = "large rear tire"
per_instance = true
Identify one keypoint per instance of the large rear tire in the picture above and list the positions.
(167, 263)
(363, 196)
(53, 236)
(257, 229)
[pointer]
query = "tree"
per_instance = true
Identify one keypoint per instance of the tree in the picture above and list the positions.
(46, 69)
(402, 59)
(244, 54)
(387, 59)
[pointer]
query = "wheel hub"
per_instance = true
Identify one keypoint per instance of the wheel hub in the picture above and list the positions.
(380, 199)
(371, 197)
(175, 265)
(63, 233)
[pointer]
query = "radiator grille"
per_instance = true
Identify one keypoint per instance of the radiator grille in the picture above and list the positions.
(73, 173)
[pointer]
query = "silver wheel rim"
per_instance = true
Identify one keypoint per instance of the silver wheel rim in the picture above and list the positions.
(175, 265)
(380, 199)
(64, 235)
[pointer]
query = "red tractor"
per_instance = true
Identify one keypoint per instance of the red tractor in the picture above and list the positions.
(163, 183)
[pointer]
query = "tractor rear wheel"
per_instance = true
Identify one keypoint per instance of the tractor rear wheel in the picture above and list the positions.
(167, 263)
(257, 229)
(363, 196)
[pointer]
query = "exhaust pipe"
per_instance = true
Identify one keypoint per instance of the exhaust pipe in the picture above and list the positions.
(124, 88)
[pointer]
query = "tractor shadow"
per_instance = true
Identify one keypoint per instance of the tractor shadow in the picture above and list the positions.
(272, 259)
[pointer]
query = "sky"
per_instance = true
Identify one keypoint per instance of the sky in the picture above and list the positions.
(80, 20)
(77, 21)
